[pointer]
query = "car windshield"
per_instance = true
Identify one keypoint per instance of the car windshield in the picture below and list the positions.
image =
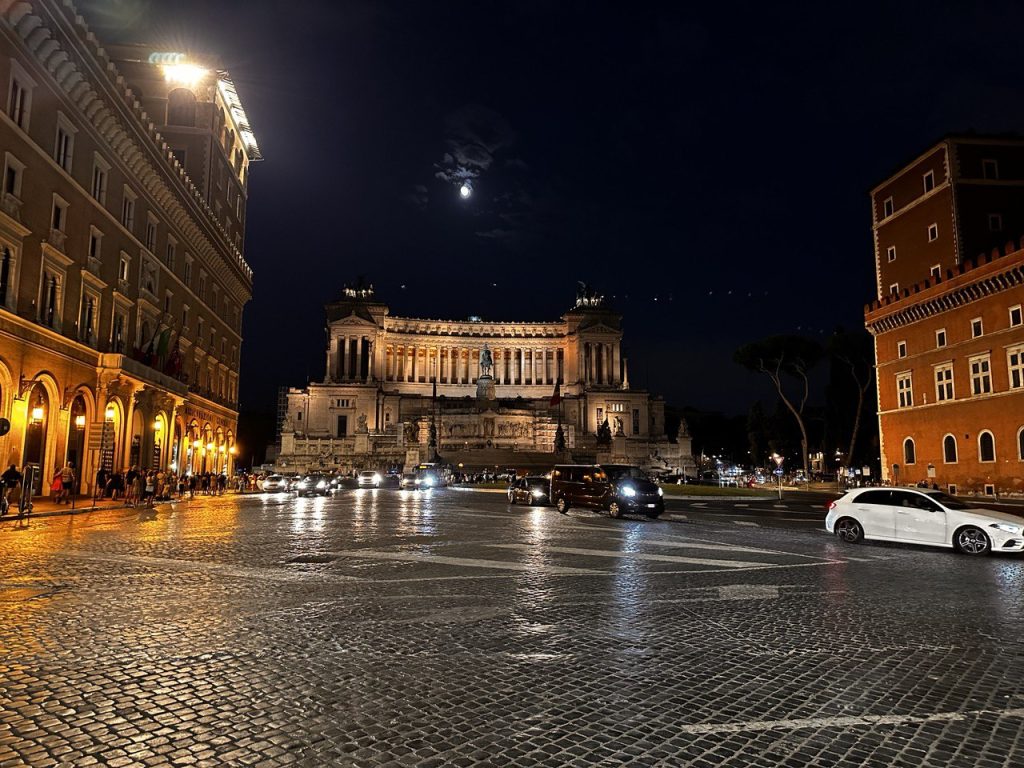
(536, 481)
(946, 500)
(625, 473)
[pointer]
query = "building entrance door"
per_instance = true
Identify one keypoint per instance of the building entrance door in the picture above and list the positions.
(342, 425)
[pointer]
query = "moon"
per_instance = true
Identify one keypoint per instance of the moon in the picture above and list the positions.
(465, 191)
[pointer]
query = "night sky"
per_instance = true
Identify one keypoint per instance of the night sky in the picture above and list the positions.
(708, 168)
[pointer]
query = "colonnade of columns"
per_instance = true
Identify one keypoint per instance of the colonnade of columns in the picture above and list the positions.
(600, 363)
(461, 365)
(350, 358)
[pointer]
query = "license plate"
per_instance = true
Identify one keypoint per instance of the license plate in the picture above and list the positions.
(652, 505)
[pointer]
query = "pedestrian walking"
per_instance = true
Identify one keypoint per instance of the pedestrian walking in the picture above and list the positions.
(67, 483)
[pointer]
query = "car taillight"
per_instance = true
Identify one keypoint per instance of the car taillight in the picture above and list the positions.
(831, 506)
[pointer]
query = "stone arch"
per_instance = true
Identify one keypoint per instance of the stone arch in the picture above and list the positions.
(181, 108)
(949, 450)
(986, 447)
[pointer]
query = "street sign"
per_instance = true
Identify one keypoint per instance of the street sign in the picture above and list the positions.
(778, 472)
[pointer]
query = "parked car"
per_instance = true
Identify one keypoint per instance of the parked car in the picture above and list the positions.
(275, 483)
(314, 485)
(534, 489)
(616, 487)
(407, 480)
(369, 478)
(927, 517)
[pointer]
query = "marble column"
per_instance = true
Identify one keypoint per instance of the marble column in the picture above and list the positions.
(616, 365)
(344, 363)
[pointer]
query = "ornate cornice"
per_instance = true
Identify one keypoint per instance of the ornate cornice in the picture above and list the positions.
(975, 284)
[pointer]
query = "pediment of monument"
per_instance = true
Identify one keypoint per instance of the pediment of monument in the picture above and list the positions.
(601, 328)
(353, 320)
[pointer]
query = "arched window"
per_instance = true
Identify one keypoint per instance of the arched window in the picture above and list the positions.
(909, 454)
(949, 449)
(986, 446)
(1020, 443)
(181, 108)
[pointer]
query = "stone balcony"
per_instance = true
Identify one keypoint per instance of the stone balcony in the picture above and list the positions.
(11, 205)
(57, 238)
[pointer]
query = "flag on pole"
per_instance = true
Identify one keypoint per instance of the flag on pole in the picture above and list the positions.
(556, 396)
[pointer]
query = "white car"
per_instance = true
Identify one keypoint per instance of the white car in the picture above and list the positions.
(369, 479)
(915, 516)
(275, 483)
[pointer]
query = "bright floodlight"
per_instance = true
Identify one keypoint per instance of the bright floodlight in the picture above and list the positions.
(465, 191)
(184, 74)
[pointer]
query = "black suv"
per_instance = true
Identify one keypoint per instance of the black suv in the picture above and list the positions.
(616, 487)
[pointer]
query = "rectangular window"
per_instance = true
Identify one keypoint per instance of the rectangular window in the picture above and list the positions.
(940, 338)
(128, 210)
(989, 169)
(636, 421)
(167, 302)
(122, 270)
(199, 330)
(95, 243)
(905, 390)
(933, 232)
(951, 489)
(995, 222)
(19, 98)
(890, 252)
(1015, 316)
(977, 329)
(60, 214)
(184, 316)
(944, 382)
(151, 225)
(117, 335)
(170, 256)
(887, 207)
(600, 416)
(1015, 366)
(202, 285)
(929, 181)
(100, 171)
(936, 272)
(64, 144)
(188, 270)
(981, 376)
(901, 348)
(12, 175)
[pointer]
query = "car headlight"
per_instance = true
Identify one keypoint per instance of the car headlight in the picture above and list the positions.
(303, 484)
(376, 478)
(322, 484)
(1008, 527)
(628, 491)
(428, 481)
(537, 493)
(417, 481)
(661, 492)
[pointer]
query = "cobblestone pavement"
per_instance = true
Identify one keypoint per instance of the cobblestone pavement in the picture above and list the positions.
(404, 628)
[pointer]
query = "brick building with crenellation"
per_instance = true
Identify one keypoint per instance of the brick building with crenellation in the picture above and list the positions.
(947, 321)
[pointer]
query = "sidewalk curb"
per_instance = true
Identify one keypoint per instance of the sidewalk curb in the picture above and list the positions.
(80, 511)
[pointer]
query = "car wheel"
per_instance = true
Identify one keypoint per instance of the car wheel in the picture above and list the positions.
(614, 510)
(562, 505)
(511, 497)
(971, 541)
(849, 530)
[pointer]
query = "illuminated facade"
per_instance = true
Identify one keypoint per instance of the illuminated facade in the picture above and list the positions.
(122, 279)
(376, 405)
(947, 323)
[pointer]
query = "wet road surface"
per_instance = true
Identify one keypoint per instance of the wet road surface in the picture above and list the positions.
(447, 628)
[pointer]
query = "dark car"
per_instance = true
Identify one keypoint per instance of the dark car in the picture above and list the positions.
(617, 488)
(314, 485)
(530, 490)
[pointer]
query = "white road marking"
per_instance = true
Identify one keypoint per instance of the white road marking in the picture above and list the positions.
(705, 544)
(748, 592)
(631, 555)
(842, 721)
(699, 504)
(267, 574)
(466, 562)
(746, 522)
(742, 505)
(675, 517)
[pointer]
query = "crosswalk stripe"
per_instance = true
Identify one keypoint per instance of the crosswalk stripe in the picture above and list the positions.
(631, 555)
(746, 523)
(466, 562)
(684, 544)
